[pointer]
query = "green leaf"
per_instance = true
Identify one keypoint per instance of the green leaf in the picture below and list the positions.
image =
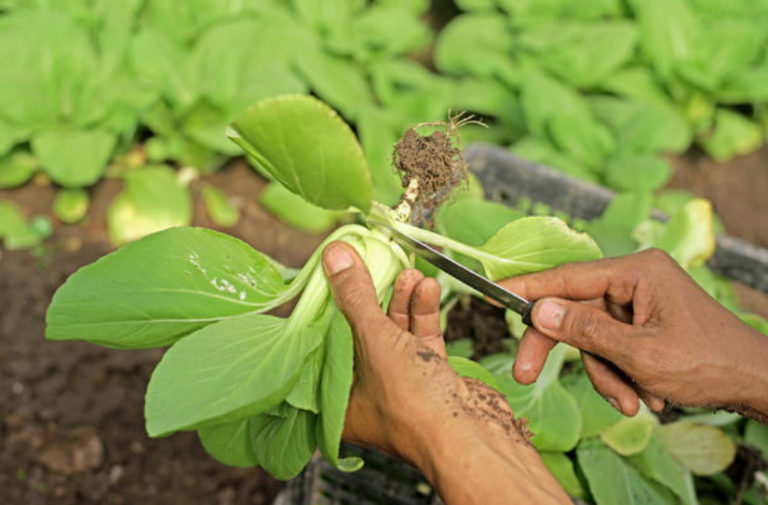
(703, 449)
(613, 480)
(229, 370)
(542, 151)
(378, 136)
(304, 394)
(17, 168)
(73, 158)
(630, 435)
(221, 210)
(474, 221)
(745, 86)
(613, 229)
(637, 172)
(71, 205)
(296, 211)
(656, 463)
(248, 58)
(154, 291)
(15, 231)
(756, 434)
(669, 32)
(582, 139)
(162, 64)
(597, 414)
(467, 368)
(561, 467)
(582, 54)
(335, 385)
(154, 199)
(283, 445)
(544, 98)
(552, 413)
(479, 45)
(534, 243)
(463, 348)
(337, 81)
(229, 443)
(733, 135)
(638, 83)
(642, 126)
(303, 144)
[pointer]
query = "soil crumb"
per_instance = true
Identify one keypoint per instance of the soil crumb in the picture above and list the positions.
(434, 161)
(491, 406)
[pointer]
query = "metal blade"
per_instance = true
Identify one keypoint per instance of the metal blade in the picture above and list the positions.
(459, 271)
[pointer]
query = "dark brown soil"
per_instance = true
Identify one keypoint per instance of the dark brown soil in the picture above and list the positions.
(435, 161)
(71, 413)
(479, 321)
(739, 193)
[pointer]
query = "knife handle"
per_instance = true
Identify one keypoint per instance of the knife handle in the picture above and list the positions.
(527, 313)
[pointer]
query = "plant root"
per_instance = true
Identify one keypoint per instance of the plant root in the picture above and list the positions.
(434, 161)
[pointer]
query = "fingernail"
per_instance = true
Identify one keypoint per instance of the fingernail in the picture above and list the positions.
(336, 259)
(550, 315)
(614, 403)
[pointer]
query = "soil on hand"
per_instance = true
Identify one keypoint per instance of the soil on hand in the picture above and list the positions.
(435, 161)
(71, 413)
(480, 322)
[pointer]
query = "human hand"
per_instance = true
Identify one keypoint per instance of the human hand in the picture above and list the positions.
(649, 331)
(406, 399)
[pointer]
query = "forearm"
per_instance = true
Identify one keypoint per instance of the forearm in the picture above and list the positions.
(484, 468)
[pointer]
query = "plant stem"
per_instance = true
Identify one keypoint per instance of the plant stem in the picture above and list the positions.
(438, 240)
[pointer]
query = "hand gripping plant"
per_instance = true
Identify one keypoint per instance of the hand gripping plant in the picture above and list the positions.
(259, 389)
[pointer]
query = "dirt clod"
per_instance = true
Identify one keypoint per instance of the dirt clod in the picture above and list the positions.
(434, 160)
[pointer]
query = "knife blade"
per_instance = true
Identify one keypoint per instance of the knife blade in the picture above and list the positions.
(458, 271)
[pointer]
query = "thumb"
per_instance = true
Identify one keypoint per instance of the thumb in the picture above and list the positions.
(583, 326)
(352, 287)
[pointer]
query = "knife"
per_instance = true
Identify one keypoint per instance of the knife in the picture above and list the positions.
(458, 271)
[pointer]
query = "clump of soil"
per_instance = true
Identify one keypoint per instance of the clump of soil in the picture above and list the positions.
(480, 322)
(434, 161)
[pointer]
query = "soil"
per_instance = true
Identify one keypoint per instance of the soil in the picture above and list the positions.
(71, 413)
(738, 191)
(481, 322)
(435, 161)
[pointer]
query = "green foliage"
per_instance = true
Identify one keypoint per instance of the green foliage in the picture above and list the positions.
(15, 231)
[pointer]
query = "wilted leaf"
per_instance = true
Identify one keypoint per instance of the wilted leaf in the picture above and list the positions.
(689, 235)
(631, 434)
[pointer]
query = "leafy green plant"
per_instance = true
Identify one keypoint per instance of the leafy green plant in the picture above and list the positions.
(261, 389)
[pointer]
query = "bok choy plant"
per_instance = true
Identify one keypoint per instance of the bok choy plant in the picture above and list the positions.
(259, 389)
